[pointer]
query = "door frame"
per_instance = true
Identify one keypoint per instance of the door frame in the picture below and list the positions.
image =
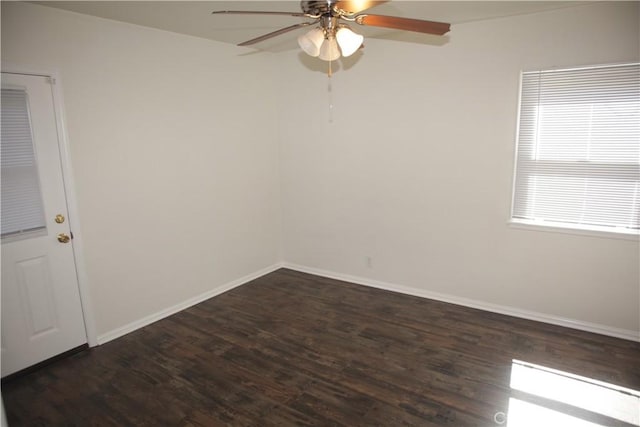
(69, 189)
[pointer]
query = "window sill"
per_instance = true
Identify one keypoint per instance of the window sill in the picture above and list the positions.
(563, 228)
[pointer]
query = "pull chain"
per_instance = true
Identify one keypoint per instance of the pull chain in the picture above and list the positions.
(330, 93)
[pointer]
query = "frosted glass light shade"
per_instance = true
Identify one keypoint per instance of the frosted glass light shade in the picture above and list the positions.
(348, 40)
(310, 42)
(329, 51)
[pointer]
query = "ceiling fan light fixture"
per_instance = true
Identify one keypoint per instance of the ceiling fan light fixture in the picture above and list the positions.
(329, 51)
(311, 42)
(348, 40)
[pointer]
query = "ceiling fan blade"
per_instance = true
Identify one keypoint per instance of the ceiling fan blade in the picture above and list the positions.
(407, 24)
(355, 6)
(257, 12)
(276, 33)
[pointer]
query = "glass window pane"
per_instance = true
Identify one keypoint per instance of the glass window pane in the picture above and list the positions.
(22, 208)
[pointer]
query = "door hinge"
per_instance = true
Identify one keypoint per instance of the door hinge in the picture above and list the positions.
(51, 80)
(71, 234)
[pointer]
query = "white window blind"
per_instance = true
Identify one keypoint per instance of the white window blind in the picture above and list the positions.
(21, 200)
(578, 155)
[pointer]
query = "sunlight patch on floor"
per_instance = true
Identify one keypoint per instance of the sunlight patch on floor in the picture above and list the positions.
(525, 414)
(591, 395)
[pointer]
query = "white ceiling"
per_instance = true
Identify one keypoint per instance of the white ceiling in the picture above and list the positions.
(194, 17)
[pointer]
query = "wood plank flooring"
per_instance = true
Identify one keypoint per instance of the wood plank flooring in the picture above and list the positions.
(296, 349)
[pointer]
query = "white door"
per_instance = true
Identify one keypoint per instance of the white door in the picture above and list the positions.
(41, 308)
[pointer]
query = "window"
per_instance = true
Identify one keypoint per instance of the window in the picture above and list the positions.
(578, 154)
(22, 210)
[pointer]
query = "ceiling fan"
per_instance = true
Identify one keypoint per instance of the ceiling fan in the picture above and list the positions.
(332, 37)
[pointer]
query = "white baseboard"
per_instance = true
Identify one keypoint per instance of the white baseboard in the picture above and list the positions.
(117, 333)
(482, 305)
(501, 309)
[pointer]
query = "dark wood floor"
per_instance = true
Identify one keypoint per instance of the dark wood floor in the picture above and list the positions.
(295, 349)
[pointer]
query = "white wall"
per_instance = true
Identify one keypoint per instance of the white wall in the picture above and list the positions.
(174, 154)
(415, 171)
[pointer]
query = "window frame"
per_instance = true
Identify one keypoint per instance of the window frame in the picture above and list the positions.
(555, 226)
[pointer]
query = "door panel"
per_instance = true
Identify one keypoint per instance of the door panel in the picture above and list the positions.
(41, 309)
(36, 295)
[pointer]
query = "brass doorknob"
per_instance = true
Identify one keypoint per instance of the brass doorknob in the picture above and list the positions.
(63, 238)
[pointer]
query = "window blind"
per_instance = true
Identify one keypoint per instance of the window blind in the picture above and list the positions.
(578, 153)
(22, 208)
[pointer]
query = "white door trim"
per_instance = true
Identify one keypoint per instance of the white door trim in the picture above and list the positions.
(69, 189)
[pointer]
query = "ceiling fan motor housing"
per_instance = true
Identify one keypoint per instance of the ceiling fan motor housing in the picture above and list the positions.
(317, 7)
